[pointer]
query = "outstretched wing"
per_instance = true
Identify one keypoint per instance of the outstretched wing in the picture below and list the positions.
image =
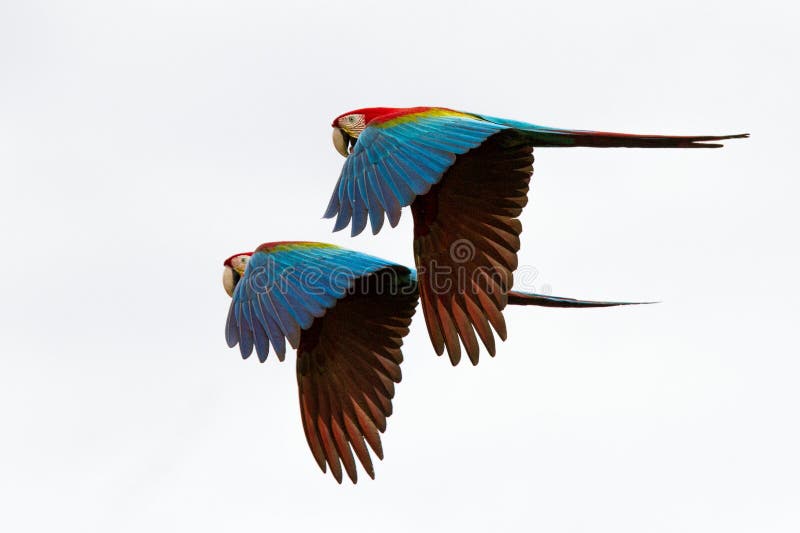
(466, 238)
(285, 287)
(397, 159)
(347, 365)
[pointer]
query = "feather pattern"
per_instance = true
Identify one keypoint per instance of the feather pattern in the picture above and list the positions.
(464, 260)
(347, 366)
(409, 153)
(285, 287)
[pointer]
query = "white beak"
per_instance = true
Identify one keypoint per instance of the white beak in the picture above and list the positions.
(340, 141)
(229, 280)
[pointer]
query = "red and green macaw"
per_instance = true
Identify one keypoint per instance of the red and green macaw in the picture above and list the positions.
(466, 179)
(346, 314)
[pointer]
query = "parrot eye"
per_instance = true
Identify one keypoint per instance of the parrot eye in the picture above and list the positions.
(354, 124)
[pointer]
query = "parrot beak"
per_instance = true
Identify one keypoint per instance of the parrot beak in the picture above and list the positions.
(341, 141)
(229, 280)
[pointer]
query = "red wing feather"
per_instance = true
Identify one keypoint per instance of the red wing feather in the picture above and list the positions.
(466, 239)
(347, 364)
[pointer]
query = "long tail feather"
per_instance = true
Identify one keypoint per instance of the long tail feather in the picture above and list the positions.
(546, 136)
(601, 139)
(525, 298)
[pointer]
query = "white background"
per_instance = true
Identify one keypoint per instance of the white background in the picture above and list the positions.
(143, 142)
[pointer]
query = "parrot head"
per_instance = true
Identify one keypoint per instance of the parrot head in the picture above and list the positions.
(235, 266)
(348, 126)
(346, 129)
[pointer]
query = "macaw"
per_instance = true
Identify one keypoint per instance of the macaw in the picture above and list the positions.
(346, 314)
(466, 179)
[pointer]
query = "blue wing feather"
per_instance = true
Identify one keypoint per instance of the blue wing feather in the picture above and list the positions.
(359, 218)
(260, 338)
(314, 307)
(245, 329)
(287, 316)
(377, 192)
(398, 168)
(343, 219)
(393, 207)
(231, 329)
(334, 203)
(273, 330)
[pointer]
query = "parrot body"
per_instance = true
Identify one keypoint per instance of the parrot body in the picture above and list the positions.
(466, 178)
(346, 314)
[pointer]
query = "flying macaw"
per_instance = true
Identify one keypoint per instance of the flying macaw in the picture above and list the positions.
(346, 314)
(466, 179)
